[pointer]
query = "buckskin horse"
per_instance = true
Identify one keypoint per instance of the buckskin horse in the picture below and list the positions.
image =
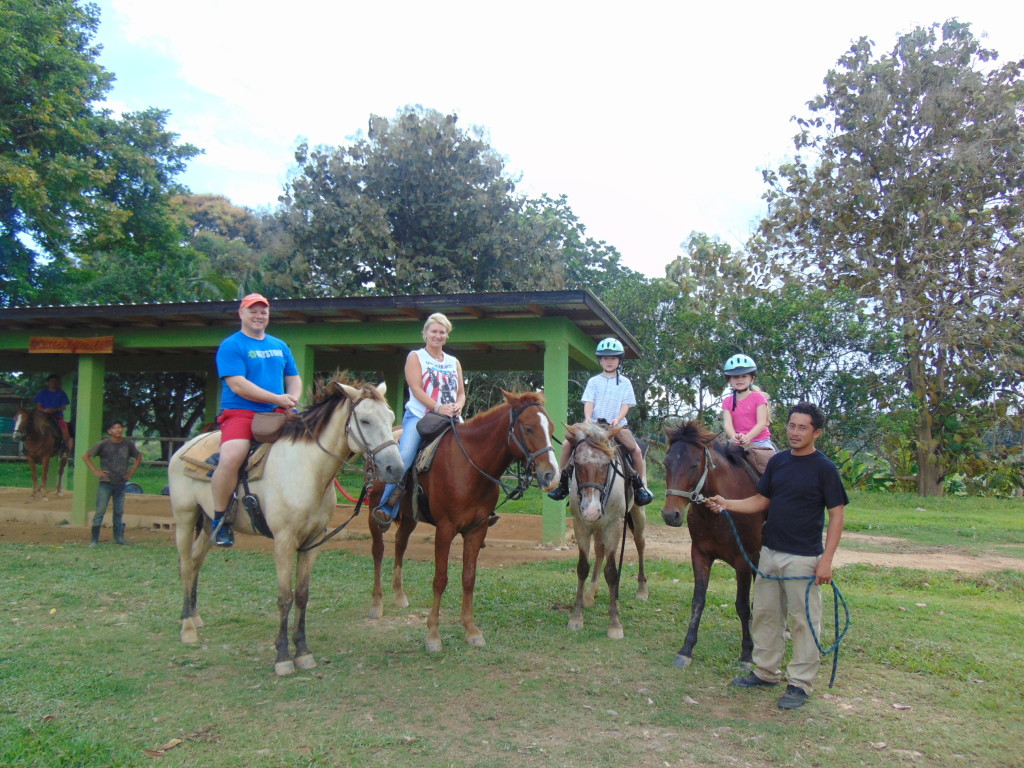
(296, 493)
(459, 494)
(698, 466)
(599, 502)
(43, 442)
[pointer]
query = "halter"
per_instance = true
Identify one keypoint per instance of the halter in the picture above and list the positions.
(609, 479)
(695, 496)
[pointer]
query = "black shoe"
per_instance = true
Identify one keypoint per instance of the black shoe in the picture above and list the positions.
(750, 680)
(641, 495)
(562, 491)
(793, 698)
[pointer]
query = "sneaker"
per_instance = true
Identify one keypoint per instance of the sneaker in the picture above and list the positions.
(793, 698)
(225, 536)
(750, 680)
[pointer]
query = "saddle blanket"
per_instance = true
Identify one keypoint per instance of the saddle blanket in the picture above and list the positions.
(198, 464)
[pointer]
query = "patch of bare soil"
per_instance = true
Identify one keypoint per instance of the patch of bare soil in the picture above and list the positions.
(514, 540)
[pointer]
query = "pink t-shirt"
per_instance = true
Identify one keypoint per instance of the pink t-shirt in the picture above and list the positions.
(745, 416)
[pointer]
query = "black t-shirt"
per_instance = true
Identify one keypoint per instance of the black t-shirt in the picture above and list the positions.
(800, 488)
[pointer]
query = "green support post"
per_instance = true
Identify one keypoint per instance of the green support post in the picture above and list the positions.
(212, 396)
(88, 429)
(304, 354)
(556, 403)
(395, 379)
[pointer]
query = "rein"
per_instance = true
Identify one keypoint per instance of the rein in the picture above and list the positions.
(521, 486)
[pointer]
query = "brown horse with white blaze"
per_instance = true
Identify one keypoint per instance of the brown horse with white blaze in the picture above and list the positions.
(460, 493)
(43, 442)
(600, 499)
(698, 466)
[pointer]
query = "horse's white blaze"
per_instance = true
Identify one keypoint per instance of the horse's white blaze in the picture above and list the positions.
(17, 431)
(547, 438)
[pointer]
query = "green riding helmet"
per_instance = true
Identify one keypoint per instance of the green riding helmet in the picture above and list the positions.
(610, 348)
(737, 365)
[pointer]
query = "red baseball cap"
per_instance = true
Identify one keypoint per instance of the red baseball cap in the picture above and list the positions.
(253, 298)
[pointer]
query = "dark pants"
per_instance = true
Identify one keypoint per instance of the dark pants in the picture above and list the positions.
(104, 494)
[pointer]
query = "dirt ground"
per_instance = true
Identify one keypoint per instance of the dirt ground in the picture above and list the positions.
(514, 540)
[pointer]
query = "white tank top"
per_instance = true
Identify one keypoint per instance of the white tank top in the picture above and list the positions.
(440, 380)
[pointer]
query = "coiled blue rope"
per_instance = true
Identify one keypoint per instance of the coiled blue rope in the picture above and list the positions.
(837, 600)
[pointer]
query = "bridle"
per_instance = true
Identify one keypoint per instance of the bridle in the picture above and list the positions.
(369, 454)
(603, 489)
(695, 496)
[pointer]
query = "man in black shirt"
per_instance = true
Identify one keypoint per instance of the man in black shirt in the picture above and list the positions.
(796, 488)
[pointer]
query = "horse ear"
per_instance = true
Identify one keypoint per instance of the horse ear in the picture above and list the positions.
(351, 392)
(382, 388)
(508, 395)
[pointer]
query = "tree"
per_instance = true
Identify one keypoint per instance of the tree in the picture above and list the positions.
(73, 179)
(419, 205)
(912, 197)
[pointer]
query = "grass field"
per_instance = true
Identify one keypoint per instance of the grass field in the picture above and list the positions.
(93, 674)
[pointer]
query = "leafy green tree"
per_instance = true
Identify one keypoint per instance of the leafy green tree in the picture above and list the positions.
(909, 190)
(73, 179)
(418, 205)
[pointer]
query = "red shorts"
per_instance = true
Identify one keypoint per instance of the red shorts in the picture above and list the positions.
(235, 424)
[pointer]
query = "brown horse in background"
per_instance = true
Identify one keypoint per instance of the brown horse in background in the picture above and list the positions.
(460, 493)
(698, 466)
(43, 442)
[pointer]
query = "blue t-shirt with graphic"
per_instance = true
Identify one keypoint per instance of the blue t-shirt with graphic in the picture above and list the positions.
(265, 362)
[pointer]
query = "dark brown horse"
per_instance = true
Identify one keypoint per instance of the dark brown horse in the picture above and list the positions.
(43, 441)
(460, 492)
(698, 466)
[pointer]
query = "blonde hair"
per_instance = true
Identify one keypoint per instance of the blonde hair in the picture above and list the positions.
(440, 319)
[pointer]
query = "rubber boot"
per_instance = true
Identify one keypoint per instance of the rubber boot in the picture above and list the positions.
(641, 495)
(119, 535)
(562, 491)
(95, 540)
(224, 534)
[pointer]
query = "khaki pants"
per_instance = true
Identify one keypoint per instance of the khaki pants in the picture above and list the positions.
(774, 602)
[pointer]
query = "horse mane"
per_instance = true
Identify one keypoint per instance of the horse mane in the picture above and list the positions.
(692, 432)
(596, 435)
(524, 398)
(695, 433)
(310, 422)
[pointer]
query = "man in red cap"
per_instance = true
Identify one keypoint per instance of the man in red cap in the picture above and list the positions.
(257, 373)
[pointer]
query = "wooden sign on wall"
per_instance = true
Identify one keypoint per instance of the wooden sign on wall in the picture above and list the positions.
(65, 345)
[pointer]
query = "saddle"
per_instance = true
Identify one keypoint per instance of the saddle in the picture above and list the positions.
(202, 457)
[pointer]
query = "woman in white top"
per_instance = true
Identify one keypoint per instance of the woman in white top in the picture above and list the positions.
(435, 384)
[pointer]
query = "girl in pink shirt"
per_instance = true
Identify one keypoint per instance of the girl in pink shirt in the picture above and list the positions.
(745, 408)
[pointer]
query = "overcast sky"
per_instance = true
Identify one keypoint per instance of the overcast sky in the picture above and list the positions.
(655, 120)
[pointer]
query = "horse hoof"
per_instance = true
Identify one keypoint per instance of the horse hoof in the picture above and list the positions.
(575, 625)
(284, 668)
(376, 612)
(682, 661)
(433, 646)
(588, 601)
(198, 622)
(477, 640)
(305, 661)
(402, 602)
(615, 633)
(189, 635)
(642, 594)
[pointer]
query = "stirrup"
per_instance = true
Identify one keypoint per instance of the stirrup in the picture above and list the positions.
(382, 516)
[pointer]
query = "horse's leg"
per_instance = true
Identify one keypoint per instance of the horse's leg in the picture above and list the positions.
(61, 468)
(590, 596)
(611, 576)
(442, 549)
(640, 540)
(284, 557)
(190, 560)
(46, 478)
(201, 545)
(303, 572)
(471, 547)
(744, 579)
(406, 525)
(35, 477)
(377, 550)
(582, 571)
(701, 575)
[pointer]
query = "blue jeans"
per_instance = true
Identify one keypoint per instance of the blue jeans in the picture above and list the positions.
(408, 446)
(104, 494)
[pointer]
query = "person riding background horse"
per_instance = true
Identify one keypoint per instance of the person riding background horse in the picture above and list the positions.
(797, 487)
(53, 400)
(258, 374)
(745, 410)
(114, 452)
(436, 384)
(609, 396)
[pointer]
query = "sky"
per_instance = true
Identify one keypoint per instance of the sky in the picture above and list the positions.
(654, 120)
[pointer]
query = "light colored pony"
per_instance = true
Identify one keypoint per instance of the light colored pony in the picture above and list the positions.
(597, 499)
(43, 442)
(296, 494)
